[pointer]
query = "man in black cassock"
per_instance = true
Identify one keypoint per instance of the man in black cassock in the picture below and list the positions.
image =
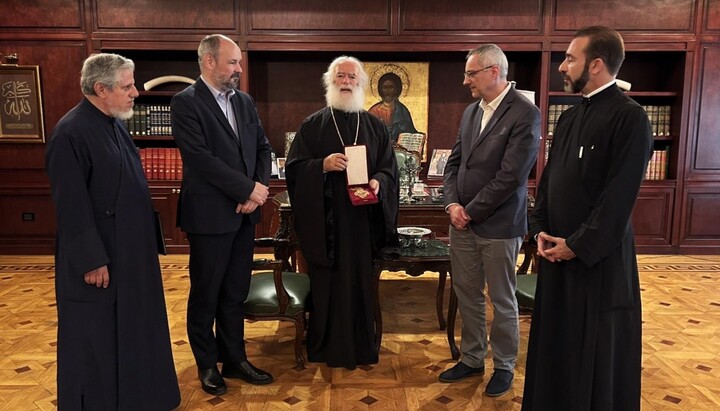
(113, 339)
(339, 239)
(584, 349)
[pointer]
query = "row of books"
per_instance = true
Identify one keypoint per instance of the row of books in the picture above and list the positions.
(150, 120)
(657, 167)
(659, 118)
(161, 163)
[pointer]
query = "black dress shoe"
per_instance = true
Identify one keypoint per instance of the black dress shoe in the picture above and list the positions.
(246, 372)
(212, 382)
(459, 372)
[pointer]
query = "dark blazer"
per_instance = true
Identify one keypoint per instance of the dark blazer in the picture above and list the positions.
(488, 174)
(219, 171)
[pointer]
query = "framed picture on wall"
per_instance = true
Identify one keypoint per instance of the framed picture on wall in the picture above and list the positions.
(437, 162)
(21, 117)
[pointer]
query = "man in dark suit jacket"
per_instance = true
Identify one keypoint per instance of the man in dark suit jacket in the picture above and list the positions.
(485, 187)
(226, 169)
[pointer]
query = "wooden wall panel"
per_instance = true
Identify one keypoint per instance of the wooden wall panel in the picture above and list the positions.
(204, 16)
(471, 17)
(652, 216)
(55, 14)
(675, 16)
(28, 222)
(60, 64)
(318, 16)
(705, 155)
(712, 16)
(700, 217)
(283, 108)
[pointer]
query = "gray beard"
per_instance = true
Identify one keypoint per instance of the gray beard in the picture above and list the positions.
(350, 104)
(122, 115)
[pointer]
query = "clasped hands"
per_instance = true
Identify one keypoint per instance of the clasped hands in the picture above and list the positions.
(459, 218)
(553, 249)
(257, 198)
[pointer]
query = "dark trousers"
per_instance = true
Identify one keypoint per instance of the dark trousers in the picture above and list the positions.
(220, 267)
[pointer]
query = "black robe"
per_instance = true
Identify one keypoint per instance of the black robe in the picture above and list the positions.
(339, 240)
(584, 351)
(113, 343)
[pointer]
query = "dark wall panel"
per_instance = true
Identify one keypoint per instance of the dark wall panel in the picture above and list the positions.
(60, 64)
(470, 17)
(55, 14)
(712, 16)
(202, 15)
(701, 218)
(706, 155)
(625, 15)
(652, 216)
(318, 16)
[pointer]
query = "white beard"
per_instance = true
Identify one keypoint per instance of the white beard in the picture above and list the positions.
(122, 115)
(350, 104)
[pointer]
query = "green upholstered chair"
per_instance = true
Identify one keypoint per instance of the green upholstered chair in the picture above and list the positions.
(526, 281)
(278, 295)
(525, 291)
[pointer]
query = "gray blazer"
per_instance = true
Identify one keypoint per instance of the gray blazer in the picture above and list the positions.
(488, 175)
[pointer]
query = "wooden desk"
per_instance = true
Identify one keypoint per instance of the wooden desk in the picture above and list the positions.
(434, 257)
(425, 213)
(415, 261)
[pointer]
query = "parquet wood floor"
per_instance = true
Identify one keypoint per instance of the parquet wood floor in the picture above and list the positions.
(681, 346)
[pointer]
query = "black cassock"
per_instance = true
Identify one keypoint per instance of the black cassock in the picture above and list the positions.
(584, 349)
(339, 240)
(113, 343)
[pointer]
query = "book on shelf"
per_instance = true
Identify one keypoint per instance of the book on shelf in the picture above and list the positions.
(554, 111)
(658, 165)
(150, 120)
(659, 117)
(161, 163)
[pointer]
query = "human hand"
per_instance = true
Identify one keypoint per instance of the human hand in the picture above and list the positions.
(335, 162)
(246, 208)
(459, 218)
(259, 193)
(99, 277)
(374, 186)
(553, 249)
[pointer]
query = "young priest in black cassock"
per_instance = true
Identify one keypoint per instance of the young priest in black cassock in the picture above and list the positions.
(584, 348)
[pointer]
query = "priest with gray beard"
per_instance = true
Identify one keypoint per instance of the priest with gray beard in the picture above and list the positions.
(338, 239)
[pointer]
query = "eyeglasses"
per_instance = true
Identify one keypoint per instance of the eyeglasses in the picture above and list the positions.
(471, 73)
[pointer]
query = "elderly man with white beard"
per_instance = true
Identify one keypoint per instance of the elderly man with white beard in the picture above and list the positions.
(339, 239)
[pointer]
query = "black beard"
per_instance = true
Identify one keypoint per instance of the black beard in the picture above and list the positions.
(576, 86)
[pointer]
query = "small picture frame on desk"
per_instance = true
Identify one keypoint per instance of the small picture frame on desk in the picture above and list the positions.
(281, 168)
(273, 165)
(21, 117)
(437, 162)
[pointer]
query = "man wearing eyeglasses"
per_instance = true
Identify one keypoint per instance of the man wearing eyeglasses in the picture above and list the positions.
(485, 186)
